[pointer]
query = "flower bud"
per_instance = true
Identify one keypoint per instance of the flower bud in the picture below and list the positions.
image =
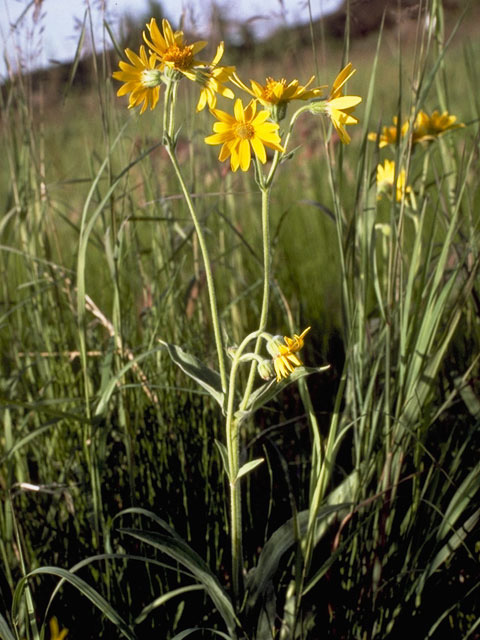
(265, 369)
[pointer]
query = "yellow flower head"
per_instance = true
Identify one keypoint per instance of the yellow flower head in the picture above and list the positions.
(55, 633)
(276, 94)
(389, 134)
(340, 107)
(141, 79)
(169, 47)
(427, 128)
(278, 91)
(386, 177)
(284, 355)
(212, 79)
(243, 131)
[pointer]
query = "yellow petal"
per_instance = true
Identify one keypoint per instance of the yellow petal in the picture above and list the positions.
(346, 73)
(217, 138)
(261, 117)
(345, 102)
(202, 100)
(245, 155)
(259, 149)
(238, 110)
(224, 152)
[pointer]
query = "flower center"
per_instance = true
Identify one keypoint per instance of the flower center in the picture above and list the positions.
(179, 57)
(269, 89)
(245, 131)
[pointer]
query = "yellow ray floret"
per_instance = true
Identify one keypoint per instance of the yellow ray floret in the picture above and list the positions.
(427, 128)
(389, 134)
(286, 359)
(243, 132)
(55, 633)
(170, 48)
(212, 78)
(340, 107)
(386, 180)
(275, 92)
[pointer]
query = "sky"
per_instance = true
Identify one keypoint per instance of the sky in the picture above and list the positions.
(49, 29)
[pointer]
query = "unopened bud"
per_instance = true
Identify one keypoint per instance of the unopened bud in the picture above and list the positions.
(265, 369)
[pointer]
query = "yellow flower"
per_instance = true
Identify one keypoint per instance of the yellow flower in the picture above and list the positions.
(386, 177)
(278, 92)
(170, 49)
(427, 128)
(285, 359)
(389, 134)
(142, 79)
(275, 94)
(212, 79)
(55, 633)
(340, 107)
(243, 131)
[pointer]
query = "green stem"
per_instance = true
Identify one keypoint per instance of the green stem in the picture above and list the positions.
(233, 451)
(266, 288)
(266, 186)
(168, 132)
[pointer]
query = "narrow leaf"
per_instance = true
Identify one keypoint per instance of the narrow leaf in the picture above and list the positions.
(268, 391)
(194, 368)
(85, 589)
(185, 555)
(5, 632)
(158, 602)
(249, 466)
(224, 455)
(186, 632)
(278, 544)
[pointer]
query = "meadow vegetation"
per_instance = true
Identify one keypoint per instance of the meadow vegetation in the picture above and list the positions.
(151, 482)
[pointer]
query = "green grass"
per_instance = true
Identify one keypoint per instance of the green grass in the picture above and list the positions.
(373, 464)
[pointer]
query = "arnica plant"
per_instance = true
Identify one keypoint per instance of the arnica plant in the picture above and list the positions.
(240, 335)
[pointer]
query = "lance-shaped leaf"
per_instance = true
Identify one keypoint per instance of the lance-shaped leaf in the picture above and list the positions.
(5, 631)
(161, 600)
(186, 632)
(84, 588)
(249, 466)
(224, 455)
(194, 368)
(179, 550)
(279, 543)
(269, 390)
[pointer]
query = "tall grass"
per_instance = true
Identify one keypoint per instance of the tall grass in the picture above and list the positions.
(115, 504)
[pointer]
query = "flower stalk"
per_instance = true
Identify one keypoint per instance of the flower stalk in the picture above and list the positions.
(233, 456)
(169, 121)
(265, 191)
